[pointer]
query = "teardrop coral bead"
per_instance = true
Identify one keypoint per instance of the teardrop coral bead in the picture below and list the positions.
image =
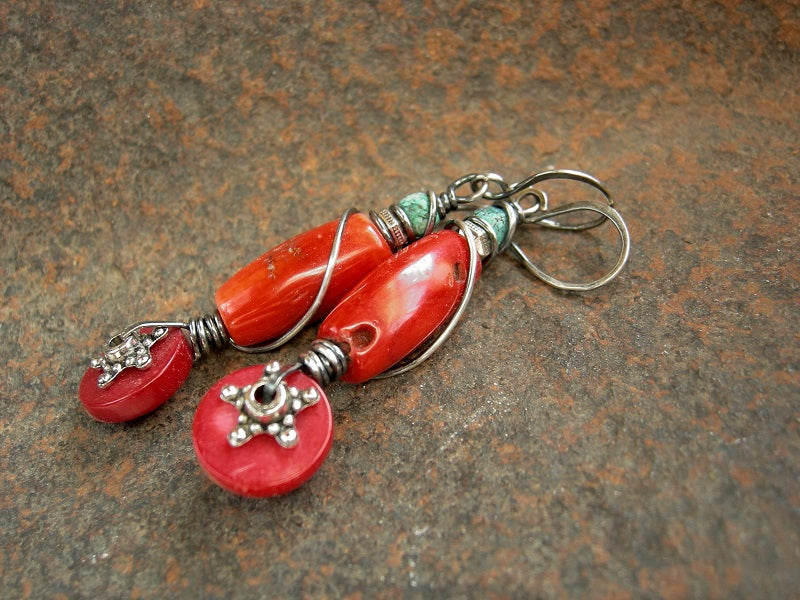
(267, 297)
(136, 392)
(400, 304)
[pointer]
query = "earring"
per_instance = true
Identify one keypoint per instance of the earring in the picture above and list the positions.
(263, 305)
(264, 430)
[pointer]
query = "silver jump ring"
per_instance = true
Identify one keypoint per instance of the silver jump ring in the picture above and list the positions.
(477, 192)
(496, 179)
(526, 214)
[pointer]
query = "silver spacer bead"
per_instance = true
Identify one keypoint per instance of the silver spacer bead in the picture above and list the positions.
(391, 228)
(485, 241)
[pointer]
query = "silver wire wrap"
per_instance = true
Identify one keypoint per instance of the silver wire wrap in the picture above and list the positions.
(478, 231)
(207, 334)
(540, 213)
(325, 362)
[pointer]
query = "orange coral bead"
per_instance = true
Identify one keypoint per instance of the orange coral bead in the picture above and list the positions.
(267, 297)
(400, 304)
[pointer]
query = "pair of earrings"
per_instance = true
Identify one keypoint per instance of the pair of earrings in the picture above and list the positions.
(383, 285)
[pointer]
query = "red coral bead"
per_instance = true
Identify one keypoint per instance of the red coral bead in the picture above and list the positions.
(400, 304)
(260, 467)
(267, 297)
(136, 392)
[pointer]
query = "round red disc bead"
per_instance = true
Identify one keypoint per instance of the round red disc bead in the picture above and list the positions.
(136, 392)
(260, 467)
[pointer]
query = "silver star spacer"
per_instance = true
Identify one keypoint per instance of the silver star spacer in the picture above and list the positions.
(127, 350)
(268, 406)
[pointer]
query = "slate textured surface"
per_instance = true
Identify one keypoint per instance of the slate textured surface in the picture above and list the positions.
(636, 441)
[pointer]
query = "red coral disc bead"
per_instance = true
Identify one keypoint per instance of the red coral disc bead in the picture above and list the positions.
(136, 392)
(260, 467)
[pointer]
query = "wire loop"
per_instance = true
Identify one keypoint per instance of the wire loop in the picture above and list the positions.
(512, 197)
(606, 213)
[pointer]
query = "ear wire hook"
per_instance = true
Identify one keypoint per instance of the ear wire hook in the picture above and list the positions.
(545, 219)
(542, 215)
(527, 186)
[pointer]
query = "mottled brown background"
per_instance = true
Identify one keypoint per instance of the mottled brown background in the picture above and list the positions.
(636, 441)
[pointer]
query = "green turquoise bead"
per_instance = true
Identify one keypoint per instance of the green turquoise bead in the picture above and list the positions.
(497, 218)
(417, 208)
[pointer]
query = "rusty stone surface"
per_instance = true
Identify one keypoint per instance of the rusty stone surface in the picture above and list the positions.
(636, 441)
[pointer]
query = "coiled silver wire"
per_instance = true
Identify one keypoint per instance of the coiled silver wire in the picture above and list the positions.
(326, 361)
(207, 334)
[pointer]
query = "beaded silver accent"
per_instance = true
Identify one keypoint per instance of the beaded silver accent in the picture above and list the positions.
(391, 229)
(268, 407)
(131, 347)
(484, 243)
(395, 225)
(126, 351)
